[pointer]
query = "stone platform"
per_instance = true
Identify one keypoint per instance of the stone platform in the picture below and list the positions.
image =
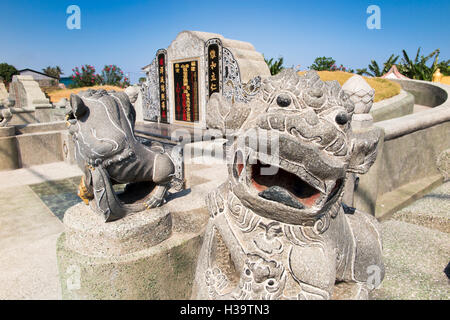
(137, 257)
(415, 254)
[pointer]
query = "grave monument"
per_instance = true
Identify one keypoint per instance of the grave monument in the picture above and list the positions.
(27, 94)
(196, 64)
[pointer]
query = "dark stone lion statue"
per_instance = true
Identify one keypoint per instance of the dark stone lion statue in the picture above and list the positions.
(278, 228)
(102, 127)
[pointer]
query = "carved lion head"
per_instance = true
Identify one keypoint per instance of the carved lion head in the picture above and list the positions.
(292, 146)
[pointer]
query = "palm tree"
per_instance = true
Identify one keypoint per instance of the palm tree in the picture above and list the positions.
(376, 71)
(275, 67)
(362, 71)
(53, 71)
(417, 68)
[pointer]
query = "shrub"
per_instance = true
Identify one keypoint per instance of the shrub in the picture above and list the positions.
(113, 75)
(328, 64)
(323, 64)
(85, 77)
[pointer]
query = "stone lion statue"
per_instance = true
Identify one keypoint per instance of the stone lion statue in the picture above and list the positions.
(278, 228)
(102, 127)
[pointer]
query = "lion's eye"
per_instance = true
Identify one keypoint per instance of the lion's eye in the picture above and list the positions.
(341, 118)
(283, 100)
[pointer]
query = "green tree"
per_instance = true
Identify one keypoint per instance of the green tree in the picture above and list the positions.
(7, 71)
(376, 71)
(275, 66)
(323, 64)
(362, 71)
(444, 66)
(53, 71)
(417, 68)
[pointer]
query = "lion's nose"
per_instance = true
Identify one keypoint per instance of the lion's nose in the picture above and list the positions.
(342, 118)
(284, 100)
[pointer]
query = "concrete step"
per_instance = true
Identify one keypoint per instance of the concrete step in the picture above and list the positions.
(393, 201)
(431, 211)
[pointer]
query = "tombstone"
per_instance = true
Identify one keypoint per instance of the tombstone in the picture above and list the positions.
(196, 64)
(27, 94)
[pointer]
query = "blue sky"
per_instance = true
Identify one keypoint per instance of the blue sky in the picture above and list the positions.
(33, 34)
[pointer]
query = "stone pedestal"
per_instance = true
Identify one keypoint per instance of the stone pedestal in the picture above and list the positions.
(137, 257)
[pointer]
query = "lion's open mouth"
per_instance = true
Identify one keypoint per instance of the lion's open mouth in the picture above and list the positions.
(286, 188)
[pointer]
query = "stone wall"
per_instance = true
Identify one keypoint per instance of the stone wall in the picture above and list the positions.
(406, 165)
(34, 144)
(397, 106)
(426, 93)
(23, 116)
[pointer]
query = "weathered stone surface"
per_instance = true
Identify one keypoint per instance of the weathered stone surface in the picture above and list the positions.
(134, 258)
(88, 234)
(394, 107)
(164, 271)
(3, 94)
(102, 126)
(39, 148)
(9, 156)
(261, 246)
(415, 258)
(431, 211)
(443, 163)
(62, 103)
(5, 117)
(135, 95)
(27, 94)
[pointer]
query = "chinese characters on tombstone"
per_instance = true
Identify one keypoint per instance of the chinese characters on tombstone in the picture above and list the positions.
(213, 69)
(186, 91)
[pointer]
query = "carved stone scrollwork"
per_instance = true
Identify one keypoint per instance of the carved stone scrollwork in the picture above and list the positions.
(233, 89)
(151, 102)
(150, 94)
